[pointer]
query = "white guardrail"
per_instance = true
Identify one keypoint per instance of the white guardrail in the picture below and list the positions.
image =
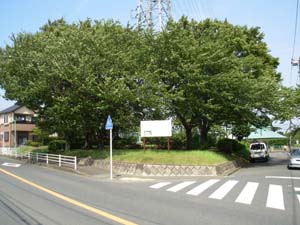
(61, 160)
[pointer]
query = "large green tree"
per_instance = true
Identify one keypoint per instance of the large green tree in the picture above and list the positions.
(212, 72)
(203, 73)
(74, 75)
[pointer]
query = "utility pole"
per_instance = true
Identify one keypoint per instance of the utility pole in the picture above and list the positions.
(153, 14)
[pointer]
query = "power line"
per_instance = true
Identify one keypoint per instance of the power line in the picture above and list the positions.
(295, 62)
(194, 13)
(198, 13)
(295, 31)
(201, 16)
(179, 6)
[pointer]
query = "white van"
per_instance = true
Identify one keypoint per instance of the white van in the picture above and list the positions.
(258, 150)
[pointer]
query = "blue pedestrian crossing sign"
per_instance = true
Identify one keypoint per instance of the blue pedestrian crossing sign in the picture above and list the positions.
(109, 124)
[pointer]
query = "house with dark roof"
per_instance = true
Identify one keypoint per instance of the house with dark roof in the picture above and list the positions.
(16, 125)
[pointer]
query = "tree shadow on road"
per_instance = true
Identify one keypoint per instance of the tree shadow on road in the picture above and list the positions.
(276, 159)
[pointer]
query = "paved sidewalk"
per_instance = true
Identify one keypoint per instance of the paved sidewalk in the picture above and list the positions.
(96, 172)
(91, 170)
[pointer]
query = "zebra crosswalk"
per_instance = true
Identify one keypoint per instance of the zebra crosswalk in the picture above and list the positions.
(248, 193)
(275, 193)
(222, 191)
(202, 187)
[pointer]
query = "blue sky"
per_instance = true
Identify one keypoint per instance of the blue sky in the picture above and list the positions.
(275, 17)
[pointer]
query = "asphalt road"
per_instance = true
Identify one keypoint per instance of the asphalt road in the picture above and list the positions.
(263, 193)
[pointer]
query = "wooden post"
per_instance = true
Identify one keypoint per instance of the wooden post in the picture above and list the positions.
(168, 141)
(144, 143)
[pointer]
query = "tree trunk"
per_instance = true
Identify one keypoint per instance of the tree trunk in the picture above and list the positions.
(204, 128)
(87, 141)
(188, 133)
(188, 130)
(67, 146)
(101, 137)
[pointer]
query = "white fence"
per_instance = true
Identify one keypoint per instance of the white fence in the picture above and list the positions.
(61, 160)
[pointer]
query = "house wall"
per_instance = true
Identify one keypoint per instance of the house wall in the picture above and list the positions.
(13, 128)
(6, 128)
(24, 110)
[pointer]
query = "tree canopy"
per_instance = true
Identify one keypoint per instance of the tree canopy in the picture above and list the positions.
(201, 73)
(215, 73)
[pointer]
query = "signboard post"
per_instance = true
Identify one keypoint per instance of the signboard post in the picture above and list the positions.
(109, 126)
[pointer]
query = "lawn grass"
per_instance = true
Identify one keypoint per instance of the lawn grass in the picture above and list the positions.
(194, 157)
(25, 149)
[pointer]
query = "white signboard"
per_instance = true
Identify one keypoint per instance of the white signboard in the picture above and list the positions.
(156, 128)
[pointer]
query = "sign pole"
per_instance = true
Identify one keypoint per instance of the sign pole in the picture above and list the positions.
(110, 149)
(109, 126)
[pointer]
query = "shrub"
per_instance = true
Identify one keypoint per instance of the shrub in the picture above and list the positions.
(126, 143)
(283, 141)
(33, 143)
(235, 147)
(56, 146)
(178, 141)
(228, 145)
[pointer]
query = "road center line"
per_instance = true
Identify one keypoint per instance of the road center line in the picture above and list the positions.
(70, 200)
(278, 177)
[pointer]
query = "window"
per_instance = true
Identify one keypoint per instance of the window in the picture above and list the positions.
(6, 136)
(20, 118)
(6, 118)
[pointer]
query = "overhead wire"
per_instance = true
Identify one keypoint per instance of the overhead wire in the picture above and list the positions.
(201, 14)
(194, 14)
(176, 6)
(294, 41)
(197, 12)
(179, 7)
(295, 30)
(187, 8)
(204, 11)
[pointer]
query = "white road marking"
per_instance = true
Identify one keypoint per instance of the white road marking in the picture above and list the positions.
(11, 164)
(180, 186)
(275, 197)
(247, 194)
(222, 191)
(278, 177)
(160, 185)
(297, 189)
(202, 187)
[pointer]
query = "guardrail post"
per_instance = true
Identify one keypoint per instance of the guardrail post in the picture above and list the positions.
(37, 157)
(59, 160)
(47, 160)
(75, 163)
(29, 156)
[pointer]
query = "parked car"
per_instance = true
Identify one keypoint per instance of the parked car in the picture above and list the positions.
(294, 161)
(259, 150)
